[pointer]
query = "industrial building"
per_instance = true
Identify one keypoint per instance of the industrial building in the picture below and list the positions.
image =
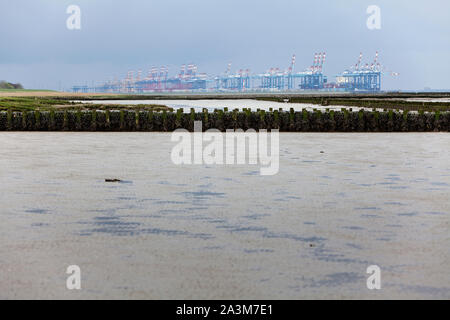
(360, 77)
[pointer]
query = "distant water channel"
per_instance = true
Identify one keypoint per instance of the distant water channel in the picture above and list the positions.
(231, 104)
(340, 203)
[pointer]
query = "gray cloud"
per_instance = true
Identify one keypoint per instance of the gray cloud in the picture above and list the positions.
(38, 50)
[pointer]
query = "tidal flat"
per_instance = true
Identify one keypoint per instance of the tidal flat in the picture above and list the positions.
(340, 203)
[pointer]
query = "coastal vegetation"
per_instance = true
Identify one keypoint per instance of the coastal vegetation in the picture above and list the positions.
(381, 113)
(378, 103)
(10, 86)
(58, 103)
(394, 101)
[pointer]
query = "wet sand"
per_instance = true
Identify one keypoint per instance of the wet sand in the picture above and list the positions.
(231, 104)
(216, 232)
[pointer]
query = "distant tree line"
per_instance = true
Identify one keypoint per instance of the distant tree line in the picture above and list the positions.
(9, 85)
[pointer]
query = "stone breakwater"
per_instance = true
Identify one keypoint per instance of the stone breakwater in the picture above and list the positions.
(345, 120)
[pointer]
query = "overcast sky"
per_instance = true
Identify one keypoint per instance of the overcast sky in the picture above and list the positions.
(38, 50)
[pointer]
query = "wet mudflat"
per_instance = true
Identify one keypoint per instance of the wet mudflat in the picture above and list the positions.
(231, 104)
(340, 203)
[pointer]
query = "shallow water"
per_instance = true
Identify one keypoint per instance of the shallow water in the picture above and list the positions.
(428, 99)
(231, 104)
(207, 232)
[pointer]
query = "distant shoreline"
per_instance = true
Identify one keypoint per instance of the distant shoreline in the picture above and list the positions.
(223, 95)
(18, 100)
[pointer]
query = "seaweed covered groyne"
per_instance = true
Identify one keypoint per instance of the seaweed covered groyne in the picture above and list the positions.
(344, 120)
